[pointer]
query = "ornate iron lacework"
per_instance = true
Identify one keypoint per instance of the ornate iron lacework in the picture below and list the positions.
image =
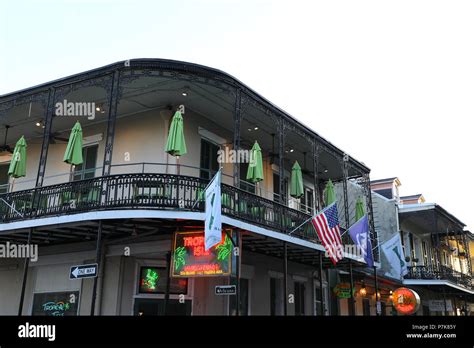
(5, 107)
(131, 75)
(40, 98)
(102, 81)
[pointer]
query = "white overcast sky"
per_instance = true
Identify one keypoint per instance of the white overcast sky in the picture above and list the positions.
(389, 82)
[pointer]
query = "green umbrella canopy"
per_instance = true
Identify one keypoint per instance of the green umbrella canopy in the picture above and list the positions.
(73, 154)
(329, 193)
(17, 167)
(255, 171)
(176, 145)
(359, 209)
(296, 189)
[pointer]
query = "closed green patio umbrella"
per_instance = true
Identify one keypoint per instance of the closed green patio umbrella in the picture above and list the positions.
(17, 168)
(176, 145)
(359, 209)
(73, 154)
(255, 171)
(329, 193)
(296, 189)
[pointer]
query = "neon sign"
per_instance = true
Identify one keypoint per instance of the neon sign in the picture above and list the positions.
(405, 301)
(190, 259)
(153, 280)
(149, 280)
(55, 304)
(343, 290)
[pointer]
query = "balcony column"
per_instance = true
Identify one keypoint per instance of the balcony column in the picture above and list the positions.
(281, 173)
(352, 303)
(321, 295)
(315, 155)
(370, 216)
(445, 304)
(113, 94)
(25, 275)
(48, 120)
(457, 246)
(281, 155)
(345, 159)
(376, 283)
(236, 143)
(168, 283)
(285, 277)
(468, 253)
(435, 230)
(98, 261)
(236, 167)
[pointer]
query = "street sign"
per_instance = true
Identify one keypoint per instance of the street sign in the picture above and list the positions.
(83, 271)
(226, 290)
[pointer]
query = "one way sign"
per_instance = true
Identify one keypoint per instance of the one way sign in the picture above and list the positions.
(83, 271)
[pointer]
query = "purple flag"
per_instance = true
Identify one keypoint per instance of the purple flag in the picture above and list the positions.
(359, 233)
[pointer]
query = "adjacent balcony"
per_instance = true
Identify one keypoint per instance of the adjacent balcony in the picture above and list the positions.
(440, 273)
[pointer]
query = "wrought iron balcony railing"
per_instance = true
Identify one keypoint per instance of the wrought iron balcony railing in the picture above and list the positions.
(148, 191)
(439, 273)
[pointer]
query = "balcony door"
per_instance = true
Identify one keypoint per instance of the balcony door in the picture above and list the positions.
(87, 169)
(276, 296)
(208, 162)
(307, 200)
(300, 293)
(317, 298)
(4, 178)
(276, 188)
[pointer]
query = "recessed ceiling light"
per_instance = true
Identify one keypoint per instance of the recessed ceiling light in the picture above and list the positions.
(97, 108)
(325, 170)
(256, 128)
(291, 150)
(38, 124)
(184, 94)
(250, 129)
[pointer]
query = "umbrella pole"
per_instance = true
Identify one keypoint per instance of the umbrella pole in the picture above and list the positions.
(12, 185)
(177, 166)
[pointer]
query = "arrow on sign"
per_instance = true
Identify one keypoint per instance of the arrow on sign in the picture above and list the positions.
(83, 271)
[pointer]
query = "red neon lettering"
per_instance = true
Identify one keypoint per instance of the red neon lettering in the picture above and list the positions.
(197, 245)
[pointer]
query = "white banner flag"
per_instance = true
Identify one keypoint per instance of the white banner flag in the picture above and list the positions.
(213, 223)
(393, 251)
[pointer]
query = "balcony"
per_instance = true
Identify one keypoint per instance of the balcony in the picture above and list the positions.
(439, 273)
(135, 101)
(146, 191)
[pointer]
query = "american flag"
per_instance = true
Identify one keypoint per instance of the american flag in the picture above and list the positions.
(326, 224)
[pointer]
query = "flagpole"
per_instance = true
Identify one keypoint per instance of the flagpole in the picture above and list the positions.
(319, 212)
(293, 230)
(11, 207)
(353, 225)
